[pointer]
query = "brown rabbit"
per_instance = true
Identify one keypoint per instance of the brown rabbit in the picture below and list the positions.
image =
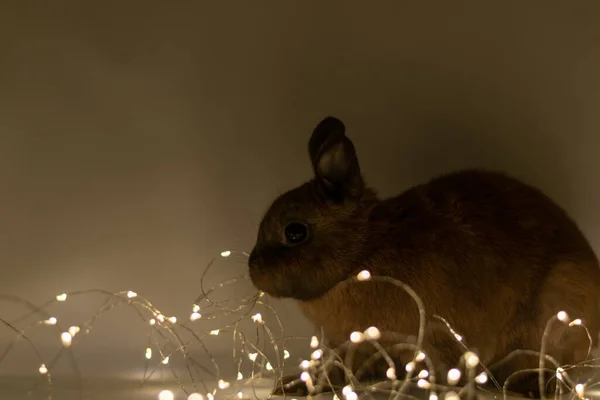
(495, 257)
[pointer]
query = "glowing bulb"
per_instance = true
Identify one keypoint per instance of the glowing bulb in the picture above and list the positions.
(482, 378)
(423, 384)
(240, 395)
(453, 376)
(43, 370)
(364, 275)
(452, 396)
(74, 330)
(257, 318)
(252, 356)
(314, 342)
(66, 339)
(409, 367)
(305, 376)
(352, 396)
(433, 396)
(372, 333)
(240, 376)
(165, 360)
(472, 359)
(50, 321)
(148, 353)
(225, 253)
(160, 317)
(391, 374)
(210, 396)
(62, 297)
(575, 322)
(347, 389)
(559, 375)
(562, 316)
(579, 389)
(195, 316)
(357, 337)
(459, 338)
(223, 384)
(173, 320)
(420, 356)
(316, 354)
(196, 308)
(269, 366)
(423, 374)
(166, 395)
(305, 364)
(152, 321)
(286, 354)
(195, 396)
(131, 294)
(214, 332)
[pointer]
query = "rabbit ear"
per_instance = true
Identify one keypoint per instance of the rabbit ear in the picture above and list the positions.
(334, 159)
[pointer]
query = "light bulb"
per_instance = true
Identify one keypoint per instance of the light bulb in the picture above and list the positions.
(357, 337)
(43, 370)
(454, 376)
(131, 294)
(364, 275)
(62, 297)
(166, 395)
(225, 253)
(66, 339)
(372, 333)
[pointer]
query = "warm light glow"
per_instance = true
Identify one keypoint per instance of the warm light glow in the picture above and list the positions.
(423, 384)
(575, 322)
(579, 389)
(364, 275)
(471, 359)
(225, 253)
(223, 384)
(173, 320)
(305, 376)
(420, 356)
(62, 297)
(152, 321)
(453, 376)
(166, 395)
(305, 364)
(43, 370)
(131, 294)
(257, 318)
(196, 308)
(51, 321)
(372, 333)
(452, 396)
(66, 339)
(269, 367)
(391, 374)
(240, 376)
(423, 374)
(433, 396)
(351, 396)
(357, 337)
(148, 353)
(459, 338)
(214, 332)
(165, 360)
(252, 356)
(562, 316)
(240, 395)
(286, 354)
(314, 342)
(195, 396)
(482, 378)
(410, 367)
(160, 317)
(195, 316)
(316, 354)
(74, 330)
(347, 389)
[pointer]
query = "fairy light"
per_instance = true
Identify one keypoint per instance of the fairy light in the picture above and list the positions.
(286, 354)
(305, 364)
(482, 378)
(223, 384)
(316, 355)
(165, 360)
(391, 374)
(196, 308)
(357, 337)
(347, 389)
(562, 316)
(472, 359)
(579, 389)
(195, 396)
(66, 339)
(74, 330)
(166, 395)
(160, 318)
(62, 297)
(454, 376)
(240, 376)
(423, 384)
(215, 332)
(43, 370)
(148, 353)
(210, 396)
(458, 337)
(575, 322)
(51, 321)
(131, 294)
(452, 396)
(372, 333)
(420, 357)
(433, 396)
(240, 395)
(349, 394)
(305, 376)
(423, 374)
(314, 342)
(195, 316)
(252, 356)
(225, 253)
(364, 275)
(559, 373)
(173, 320)
(269, 367)
(152, 321)
(409, 367)
(257, 318)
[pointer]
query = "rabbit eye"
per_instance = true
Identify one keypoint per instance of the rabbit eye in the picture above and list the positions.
(296, 232)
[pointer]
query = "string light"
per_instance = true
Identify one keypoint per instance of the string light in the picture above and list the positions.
(214, 332)
(74, 330)
(433, 396)
(420, 357)
(240, 395)
(131, 294)
(196, 308)
(240, 376)
(43, 370)
(252, 356)
(409, 367)
(423, 384)
(454, 376)
(562, 316)
(314, 342)
(472, 359)
(559, 373)
(305, 376)
(357, 337)
(372, 333)
(286, 354)
(452, 396)
(423, 374)
(269, 367)
(364, 275)
(257, 318)
(152, 321)
(160, 318)
(50, 321)
(391, 374)
(305, 364)
(316, 355)
(579, 389)
(165, 360)
(575, 322)
(482, 378)
(66, 339)
(173, 320)
(223, 384)
(148, 353)
(62, 297)
(195, 316)
(166, 395)
(225, 253)
(195, 396)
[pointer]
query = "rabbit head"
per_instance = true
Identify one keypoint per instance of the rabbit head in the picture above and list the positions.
(311, 237)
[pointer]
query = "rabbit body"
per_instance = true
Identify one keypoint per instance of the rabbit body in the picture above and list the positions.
(496, 258)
